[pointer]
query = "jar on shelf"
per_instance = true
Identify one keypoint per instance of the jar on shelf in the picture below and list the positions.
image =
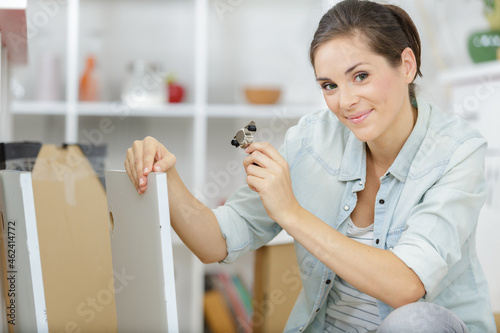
(144, 85)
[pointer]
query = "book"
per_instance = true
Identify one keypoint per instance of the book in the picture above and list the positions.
(236, 297)
(218, 316)
(242, 318)
(244, 294)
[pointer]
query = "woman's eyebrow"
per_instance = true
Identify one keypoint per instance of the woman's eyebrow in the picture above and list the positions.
(349, 70)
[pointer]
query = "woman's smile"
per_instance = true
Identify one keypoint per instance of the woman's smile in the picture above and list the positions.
(359, 117)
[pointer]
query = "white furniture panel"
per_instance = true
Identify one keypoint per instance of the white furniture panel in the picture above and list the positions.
(141, 247)
(25, 304)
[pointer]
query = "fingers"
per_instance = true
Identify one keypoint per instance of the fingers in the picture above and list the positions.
(263, 164)
(130, 167)
(257, 158)
(146, 156)
(164, 160)
(151, 149)
(264, 155)
(137, 148)
(266, 148)
(256, 171)
(253, 183)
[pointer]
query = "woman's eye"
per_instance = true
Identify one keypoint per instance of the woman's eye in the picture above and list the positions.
(329, 86)
(361, 77)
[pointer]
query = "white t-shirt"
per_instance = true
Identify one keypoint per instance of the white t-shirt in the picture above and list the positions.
(348, 309)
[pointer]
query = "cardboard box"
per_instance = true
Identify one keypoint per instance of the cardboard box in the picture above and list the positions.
(22, 156)
(73, 236)
(19, 156)
(277, 286)
(96, 154)
(75, 250)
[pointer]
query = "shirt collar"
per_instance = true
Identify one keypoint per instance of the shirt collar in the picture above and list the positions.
(353, 164)
(401, 165)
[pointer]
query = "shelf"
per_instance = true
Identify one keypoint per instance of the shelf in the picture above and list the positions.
(38, 108)
(478, 72)
(117, 109)
(103, 109)
(14, 29)
(258, 111)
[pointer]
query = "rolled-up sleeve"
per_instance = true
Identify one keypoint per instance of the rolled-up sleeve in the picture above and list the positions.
(446, 217)
(244, 223)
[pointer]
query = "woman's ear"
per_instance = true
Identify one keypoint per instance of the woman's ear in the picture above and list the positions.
(409, 64)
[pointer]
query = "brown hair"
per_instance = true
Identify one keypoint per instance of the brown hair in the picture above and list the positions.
(387, 28)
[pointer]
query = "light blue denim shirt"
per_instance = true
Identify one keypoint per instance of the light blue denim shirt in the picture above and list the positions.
(426, 210)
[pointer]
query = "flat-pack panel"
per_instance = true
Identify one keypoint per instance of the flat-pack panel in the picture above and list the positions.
(23, 291)
(141, 249)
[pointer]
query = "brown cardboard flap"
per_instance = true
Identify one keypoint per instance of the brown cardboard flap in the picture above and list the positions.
(73, 230)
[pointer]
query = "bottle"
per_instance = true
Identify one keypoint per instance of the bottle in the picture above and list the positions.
(88, 82)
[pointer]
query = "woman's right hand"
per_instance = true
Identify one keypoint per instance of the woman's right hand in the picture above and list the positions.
(144, 157)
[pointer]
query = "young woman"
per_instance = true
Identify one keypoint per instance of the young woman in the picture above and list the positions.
(381, 192)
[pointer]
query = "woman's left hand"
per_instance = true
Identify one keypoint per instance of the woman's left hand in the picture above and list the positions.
(268, 174)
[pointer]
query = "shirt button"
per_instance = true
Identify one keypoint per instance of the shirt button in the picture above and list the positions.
(377, 241)
(301, 329)
(361, 183)
(328, 281)
(381, 201)
(391, 249)
(346, 208)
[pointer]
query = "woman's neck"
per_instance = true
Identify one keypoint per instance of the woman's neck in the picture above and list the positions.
(384, 150)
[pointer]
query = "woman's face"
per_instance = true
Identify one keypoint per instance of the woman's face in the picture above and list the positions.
(365, 92)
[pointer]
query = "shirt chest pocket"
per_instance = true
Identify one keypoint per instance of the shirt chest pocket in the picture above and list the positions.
(393, 238)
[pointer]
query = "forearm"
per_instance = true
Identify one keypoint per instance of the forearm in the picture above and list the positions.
(194, 223)
(376, 272)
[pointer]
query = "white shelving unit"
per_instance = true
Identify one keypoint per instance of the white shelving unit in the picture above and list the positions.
(201, 122)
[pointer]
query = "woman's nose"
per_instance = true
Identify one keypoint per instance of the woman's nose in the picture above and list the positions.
(348, 97)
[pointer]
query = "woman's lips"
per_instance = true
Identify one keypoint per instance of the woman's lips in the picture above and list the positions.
(359, 117)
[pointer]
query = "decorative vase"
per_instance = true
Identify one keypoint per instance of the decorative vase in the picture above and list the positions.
(485, 45)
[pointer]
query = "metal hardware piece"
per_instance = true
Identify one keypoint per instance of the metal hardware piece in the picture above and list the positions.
(244, 137)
